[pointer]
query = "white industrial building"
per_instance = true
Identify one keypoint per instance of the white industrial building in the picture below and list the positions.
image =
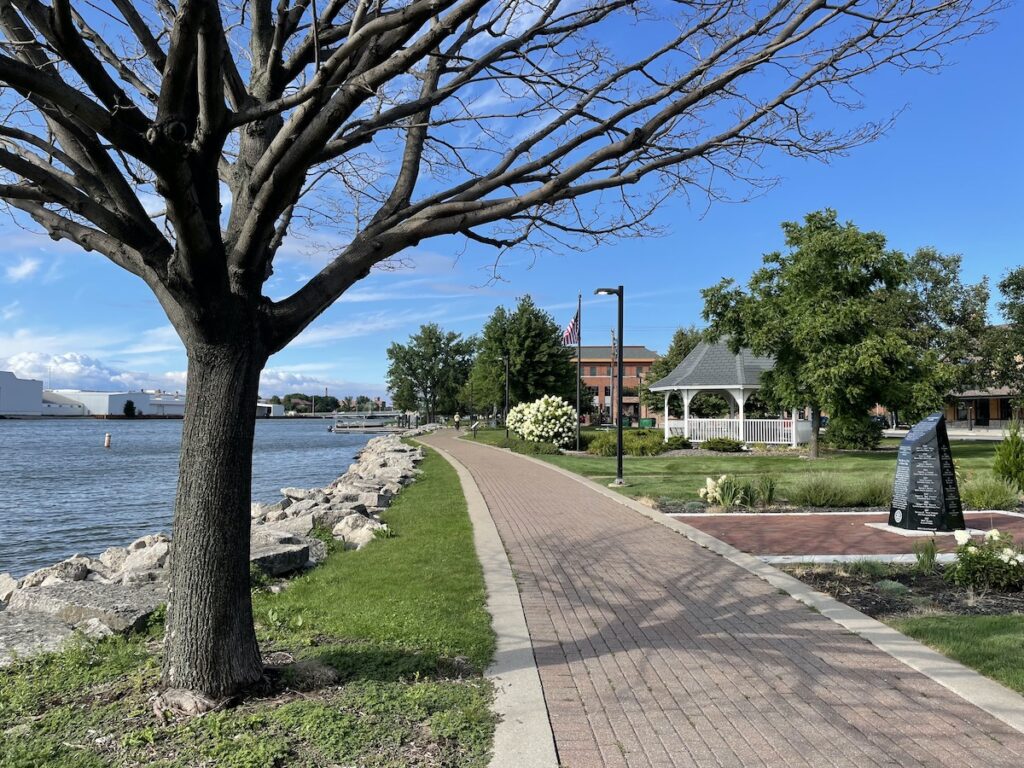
(61, 405)
(105, 403)
(20, 397)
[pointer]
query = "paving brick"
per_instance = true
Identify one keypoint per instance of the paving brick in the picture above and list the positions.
(654, 652)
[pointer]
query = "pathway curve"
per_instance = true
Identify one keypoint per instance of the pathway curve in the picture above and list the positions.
(655, 652)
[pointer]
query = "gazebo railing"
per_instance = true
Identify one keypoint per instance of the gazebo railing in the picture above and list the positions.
(768, 431)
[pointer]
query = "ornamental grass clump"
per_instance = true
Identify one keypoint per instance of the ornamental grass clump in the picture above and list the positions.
(994, 562)
(724, 492)
(986, 491)
(547, 420)
(1009, 461)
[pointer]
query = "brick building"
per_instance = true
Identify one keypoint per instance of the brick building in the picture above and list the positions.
(599, 372)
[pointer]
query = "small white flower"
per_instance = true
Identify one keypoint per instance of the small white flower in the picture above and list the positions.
(1019, 558)
(992, 534)
(971, 550)
(962, 537)
(1004, 557)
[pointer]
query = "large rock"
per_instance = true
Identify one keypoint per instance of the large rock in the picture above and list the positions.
(356, 531)
(26, 634)
(149, 541)
(277, 552)
(296, 494)
(73, 569)
(328, 517)
(119, 607)
(148, 558)
(301, 507)
(113, 558)
(8, 585)
(294, 526)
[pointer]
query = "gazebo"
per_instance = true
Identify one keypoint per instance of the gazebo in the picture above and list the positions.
(715, 368)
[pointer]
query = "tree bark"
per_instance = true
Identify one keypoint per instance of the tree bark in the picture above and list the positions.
(812, 446)
(210, 645)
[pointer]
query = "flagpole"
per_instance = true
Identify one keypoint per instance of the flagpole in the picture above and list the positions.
(579, 360)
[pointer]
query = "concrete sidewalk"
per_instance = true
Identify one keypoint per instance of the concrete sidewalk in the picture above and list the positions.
(655, 652)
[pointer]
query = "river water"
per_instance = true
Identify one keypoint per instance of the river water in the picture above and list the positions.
(61, 492)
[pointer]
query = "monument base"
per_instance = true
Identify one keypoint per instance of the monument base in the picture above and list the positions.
(918, 532)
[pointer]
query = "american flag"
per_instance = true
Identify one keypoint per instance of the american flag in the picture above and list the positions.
(572, 331)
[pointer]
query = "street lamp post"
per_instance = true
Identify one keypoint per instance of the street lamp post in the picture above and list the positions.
(505, 418)
(618, 394)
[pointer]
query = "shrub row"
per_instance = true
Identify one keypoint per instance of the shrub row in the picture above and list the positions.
(635, 442)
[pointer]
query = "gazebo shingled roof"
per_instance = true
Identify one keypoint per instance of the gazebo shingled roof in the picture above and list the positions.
(714, 366)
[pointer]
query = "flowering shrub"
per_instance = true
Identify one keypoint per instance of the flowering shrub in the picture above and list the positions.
(723, 492)
(548, 420)
(993, 563)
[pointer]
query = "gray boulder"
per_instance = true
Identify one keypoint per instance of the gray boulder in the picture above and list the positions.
(294, 526)
(328, 517)
(26, 634)
(119, 607)
(113, 558)
(277, 552)
(8, 586)
(149, 541)
(356, 531)
(75, 568)
(301, 507)
(296, 494)
(149, 558)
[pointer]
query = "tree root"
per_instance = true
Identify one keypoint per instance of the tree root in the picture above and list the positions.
(178, 702)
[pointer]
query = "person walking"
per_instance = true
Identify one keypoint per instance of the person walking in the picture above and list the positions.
(458, 420)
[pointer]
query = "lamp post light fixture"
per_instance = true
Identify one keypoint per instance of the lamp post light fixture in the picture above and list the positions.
(620, 293)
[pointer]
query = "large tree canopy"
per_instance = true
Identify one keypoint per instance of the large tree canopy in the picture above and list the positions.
(505, 121)
(850, 323)
(428, 372)
(538, 363)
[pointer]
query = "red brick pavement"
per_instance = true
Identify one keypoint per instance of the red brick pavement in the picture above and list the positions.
(830, 533)
(655, 652)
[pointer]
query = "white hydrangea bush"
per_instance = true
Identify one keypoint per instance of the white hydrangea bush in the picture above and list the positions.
(547, 420)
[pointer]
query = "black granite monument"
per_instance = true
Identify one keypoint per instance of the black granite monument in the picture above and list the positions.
(925, 496)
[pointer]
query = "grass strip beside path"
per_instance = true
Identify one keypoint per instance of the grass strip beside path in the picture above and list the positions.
(992, 645)
(392, 641)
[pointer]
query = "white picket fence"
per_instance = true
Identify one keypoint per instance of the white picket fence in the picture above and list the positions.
(768, 431)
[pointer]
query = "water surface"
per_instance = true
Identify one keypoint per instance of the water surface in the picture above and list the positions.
(63, 493)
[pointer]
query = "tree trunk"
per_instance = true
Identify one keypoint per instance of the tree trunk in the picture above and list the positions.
(812, 446)
(210, 646)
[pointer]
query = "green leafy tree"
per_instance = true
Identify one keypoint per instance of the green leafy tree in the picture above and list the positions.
(1003, 348)
(275, 400)
(431, 369)
(129, 409)
(828, 311)
(539, 364)
(683, 342)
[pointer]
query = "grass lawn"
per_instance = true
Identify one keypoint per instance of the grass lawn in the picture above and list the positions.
(392, 640)
(993, 645)
(679, 478)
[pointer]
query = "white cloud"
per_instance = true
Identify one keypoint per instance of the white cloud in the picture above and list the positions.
(10, 311)
(23, 270)
(282, 382)
(162, 339)
(74, 370)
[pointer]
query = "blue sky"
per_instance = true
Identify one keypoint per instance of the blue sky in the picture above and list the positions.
(949, 174)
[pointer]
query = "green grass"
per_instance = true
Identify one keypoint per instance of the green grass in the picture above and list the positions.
(401, 625)
(993, 645)
(679, 478)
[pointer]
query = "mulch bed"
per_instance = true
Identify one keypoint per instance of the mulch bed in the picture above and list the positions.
(929, 593)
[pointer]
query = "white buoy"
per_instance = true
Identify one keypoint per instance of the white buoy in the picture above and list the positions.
(106, 440)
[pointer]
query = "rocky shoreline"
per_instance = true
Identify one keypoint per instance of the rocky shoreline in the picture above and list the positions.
(118, 591)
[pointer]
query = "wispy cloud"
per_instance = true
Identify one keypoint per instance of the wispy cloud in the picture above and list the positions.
(23, 270)
(10, 311)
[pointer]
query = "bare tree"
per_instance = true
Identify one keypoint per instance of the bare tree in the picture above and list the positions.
(511, 122)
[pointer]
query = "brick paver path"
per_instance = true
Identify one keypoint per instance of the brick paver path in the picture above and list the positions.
(655, 652)
(830, 533)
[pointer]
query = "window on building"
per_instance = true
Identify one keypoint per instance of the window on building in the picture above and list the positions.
(1004, 409)
(639, 370)
(593, 370)
(609, 371)
(961, 410)
(607, 391)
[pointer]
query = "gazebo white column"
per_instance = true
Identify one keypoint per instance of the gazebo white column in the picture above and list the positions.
(665, 422)
(687, 396)
(741, 400)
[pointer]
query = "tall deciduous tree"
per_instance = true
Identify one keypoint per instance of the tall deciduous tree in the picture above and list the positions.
(829, 312)
(434, 366)
(1003, 349)
(538, 363)
(504, 121)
